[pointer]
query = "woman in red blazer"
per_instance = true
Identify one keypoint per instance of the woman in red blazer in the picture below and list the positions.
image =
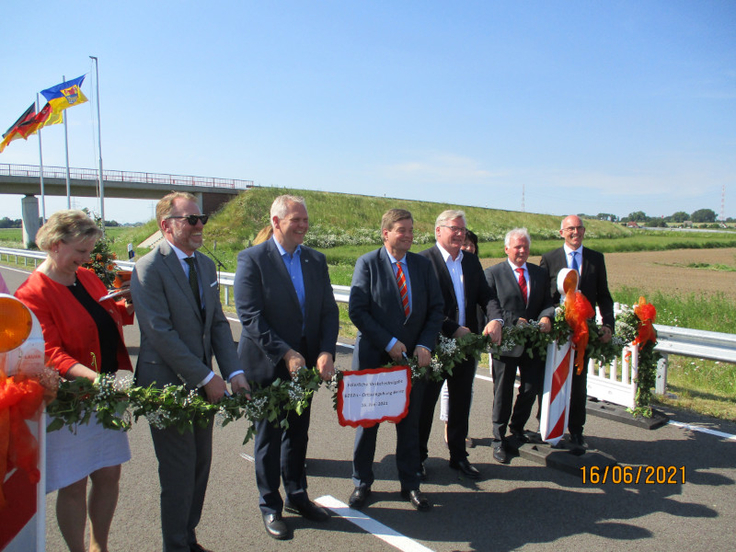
(84, 337)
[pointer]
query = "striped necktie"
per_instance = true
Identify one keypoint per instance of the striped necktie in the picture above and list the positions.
(403, 290)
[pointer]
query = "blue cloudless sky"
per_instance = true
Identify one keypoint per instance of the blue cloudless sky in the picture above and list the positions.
(584, 107)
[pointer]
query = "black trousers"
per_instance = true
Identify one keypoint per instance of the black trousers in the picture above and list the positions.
(280, 454)
(506, 413)
(460, 391)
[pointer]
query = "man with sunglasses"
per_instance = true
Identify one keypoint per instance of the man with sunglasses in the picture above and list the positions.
(593, 283)
(464, 290)
(174, 288)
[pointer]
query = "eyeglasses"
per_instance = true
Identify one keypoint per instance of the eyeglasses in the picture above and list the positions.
(455, 229)
(192, 219)
(574, 229)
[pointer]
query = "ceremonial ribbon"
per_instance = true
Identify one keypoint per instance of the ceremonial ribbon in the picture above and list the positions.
(646, 313)
(577, 312)
(20, 400)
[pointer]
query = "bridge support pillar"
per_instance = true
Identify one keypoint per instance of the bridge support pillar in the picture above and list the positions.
(29, 205)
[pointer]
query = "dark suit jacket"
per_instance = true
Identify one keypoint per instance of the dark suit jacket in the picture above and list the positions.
(504, 282)
(593, 280)
(477, 292)
(375, 308)
(272, 319)
(176, 343)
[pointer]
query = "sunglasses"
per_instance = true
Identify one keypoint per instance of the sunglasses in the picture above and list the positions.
(192, 219)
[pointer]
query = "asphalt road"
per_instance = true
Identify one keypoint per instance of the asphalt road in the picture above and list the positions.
(521, 506)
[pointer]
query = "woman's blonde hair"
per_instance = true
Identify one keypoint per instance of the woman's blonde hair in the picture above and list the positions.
(68, 226)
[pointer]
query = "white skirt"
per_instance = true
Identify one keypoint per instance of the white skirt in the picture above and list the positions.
(73, 456)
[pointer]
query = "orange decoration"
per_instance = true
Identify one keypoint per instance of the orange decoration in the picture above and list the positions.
(20, 400)
(646, 313)
(577, 312)
(17, 324)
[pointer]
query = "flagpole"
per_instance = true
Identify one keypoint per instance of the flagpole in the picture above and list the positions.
(66, 148)
(99, 139)
(40, 164)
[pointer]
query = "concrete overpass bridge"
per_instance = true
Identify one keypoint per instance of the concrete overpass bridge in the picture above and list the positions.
(26, 180)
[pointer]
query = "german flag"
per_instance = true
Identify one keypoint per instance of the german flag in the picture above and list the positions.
(14, 132)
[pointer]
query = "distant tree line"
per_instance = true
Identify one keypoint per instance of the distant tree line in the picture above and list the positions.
(680, 217)
(5, 222)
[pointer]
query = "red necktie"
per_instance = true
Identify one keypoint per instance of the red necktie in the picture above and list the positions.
(522, 284)
(403, 291)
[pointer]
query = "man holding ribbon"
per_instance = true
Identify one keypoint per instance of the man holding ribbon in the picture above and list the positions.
(593, 284)
(182, 325)
(464, 290)
(396, 304)
(290, 320)
(523, 289)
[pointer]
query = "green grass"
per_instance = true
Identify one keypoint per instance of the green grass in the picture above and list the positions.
(705, 386)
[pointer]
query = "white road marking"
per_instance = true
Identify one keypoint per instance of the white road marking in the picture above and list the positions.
(370, 525)
(691, 427)
(247, 457)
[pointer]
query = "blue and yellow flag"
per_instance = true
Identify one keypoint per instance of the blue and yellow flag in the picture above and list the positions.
(65, 95)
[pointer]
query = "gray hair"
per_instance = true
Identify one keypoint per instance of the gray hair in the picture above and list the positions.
(280, 205)
(66, 226)
(449, 214)
(517, 232)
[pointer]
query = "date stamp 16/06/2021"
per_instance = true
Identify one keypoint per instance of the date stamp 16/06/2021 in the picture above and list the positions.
(633, 475)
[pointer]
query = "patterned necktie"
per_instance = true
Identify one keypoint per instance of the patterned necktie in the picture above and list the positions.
(193, 280)
(522, 284)
(403, 290)
(574, 265)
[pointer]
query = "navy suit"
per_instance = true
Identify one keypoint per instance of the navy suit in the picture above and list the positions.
(273, 323)
(593, 284)
(504, 281)
(375, 309)
(460, 384)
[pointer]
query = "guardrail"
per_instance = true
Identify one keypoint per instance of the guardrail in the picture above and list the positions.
(613, 383)
(34, 171)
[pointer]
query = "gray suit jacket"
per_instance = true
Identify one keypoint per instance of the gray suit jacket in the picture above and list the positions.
(504, 282)
(176, 343)
(375, 307)
(272, 319)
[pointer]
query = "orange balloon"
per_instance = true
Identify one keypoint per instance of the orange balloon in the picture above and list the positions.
(16, 326)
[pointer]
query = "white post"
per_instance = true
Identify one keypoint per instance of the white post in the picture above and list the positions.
(66, 149)
(99, 143)
(40, 166)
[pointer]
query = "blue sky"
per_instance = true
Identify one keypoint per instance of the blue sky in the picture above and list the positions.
(589, 107)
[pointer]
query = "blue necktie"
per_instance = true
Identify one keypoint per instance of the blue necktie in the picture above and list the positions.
(574, 264)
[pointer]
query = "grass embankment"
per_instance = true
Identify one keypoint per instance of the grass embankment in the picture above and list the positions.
(346, 226)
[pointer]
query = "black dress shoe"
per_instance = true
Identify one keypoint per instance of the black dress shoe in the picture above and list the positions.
(198, 548)
(308, 510)
(576, 439)
(500, 454)
(417, 499)
(275, 526)
(359, 496)
(466, 468)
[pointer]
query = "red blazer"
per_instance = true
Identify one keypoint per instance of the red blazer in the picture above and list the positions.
(69, 331)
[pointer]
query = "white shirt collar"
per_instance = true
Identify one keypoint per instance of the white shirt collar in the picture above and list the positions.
(446, 255)
(179, 253)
